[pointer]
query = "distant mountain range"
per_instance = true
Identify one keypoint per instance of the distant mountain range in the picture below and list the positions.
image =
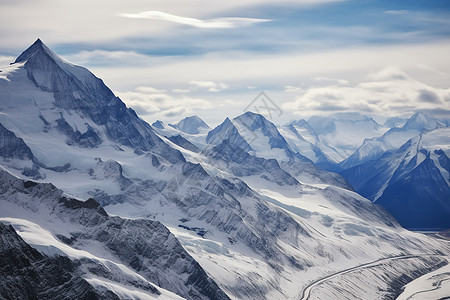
(245, 210)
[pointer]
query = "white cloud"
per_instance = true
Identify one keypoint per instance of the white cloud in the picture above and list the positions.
(432, 70)
(390, 73)
(181, 91)
(148, 90)
(329, 81)
(293, 89)
(6, 60)
(262, 70)
(104, 57)
(397, 12)
(152, 104)
(390, 92)
(97, 22)
(210, 86)
(212, 23)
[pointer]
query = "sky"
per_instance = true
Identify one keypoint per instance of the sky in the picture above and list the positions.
(172, 59)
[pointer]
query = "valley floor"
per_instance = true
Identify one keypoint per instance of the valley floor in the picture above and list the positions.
(433, 285)
(308, 293)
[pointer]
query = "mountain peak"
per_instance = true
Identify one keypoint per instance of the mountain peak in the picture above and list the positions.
(253, 121)
(37, 47)
(227, 131)
(158, 124)
(420, 121)
(191, 125)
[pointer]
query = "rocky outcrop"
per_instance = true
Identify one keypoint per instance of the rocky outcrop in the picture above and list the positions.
(27, 274)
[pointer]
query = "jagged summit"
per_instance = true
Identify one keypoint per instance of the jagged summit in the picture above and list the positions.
(254, 122)
(65, 92)
(37, 46)
(43, 53)
(227, 131)
(158, 124)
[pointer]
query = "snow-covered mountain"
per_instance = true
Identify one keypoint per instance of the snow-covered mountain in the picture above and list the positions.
(302, 138)
(395, 122)
(191, 125)
(132, 256)
(235, 212)
(337, 136)
(395, 137)
(228, 131)
(28, 274)
(413, 182)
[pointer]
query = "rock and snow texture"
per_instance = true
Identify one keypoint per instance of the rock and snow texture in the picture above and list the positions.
(433, 285)
(138, 254)
(227, 131)
(356, 283)
(336, 137)
(191, 125)
(250, 216)
(413, 183)
(28, 274)
(56, 96)
(394, 138)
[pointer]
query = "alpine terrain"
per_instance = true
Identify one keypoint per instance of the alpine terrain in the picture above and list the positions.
(95, 203)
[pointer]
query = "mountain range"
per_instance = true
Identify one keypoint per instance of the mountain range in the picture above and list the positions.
(121, 209)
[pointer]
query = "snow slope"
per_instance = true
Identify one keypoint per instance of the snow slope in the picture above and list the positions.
(132, 254)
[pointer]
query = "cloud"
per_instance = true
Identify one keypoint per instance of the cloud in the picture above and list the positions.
(104, 57)
(389, 73)
(429, 96)
(181, 91)
(211, 23)
(292, 89)
(329, 81)
(6, 60)
(152, 104)
(210, 86)
(390, 92)
(397, 12)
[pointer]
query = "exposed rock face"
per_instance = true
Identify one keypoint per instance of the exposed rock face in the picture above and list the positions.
(77, 89)
(145, 246)
(258, 239)
(412, 183)
(227, 131)
(241, 163)
(13, 147)
(89, 139)
(27, 274)
(182, 142)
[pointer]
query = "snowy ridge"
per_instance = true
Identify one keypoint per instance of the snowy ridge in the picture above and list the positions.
(135, 251)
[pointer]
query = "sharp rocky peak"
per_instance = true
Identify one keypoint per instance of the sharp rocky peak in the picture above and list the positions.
(37, 48)
(76, 90)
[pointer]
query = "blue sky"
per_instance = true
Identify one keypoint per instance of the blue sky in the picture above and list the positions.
(169, 59)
